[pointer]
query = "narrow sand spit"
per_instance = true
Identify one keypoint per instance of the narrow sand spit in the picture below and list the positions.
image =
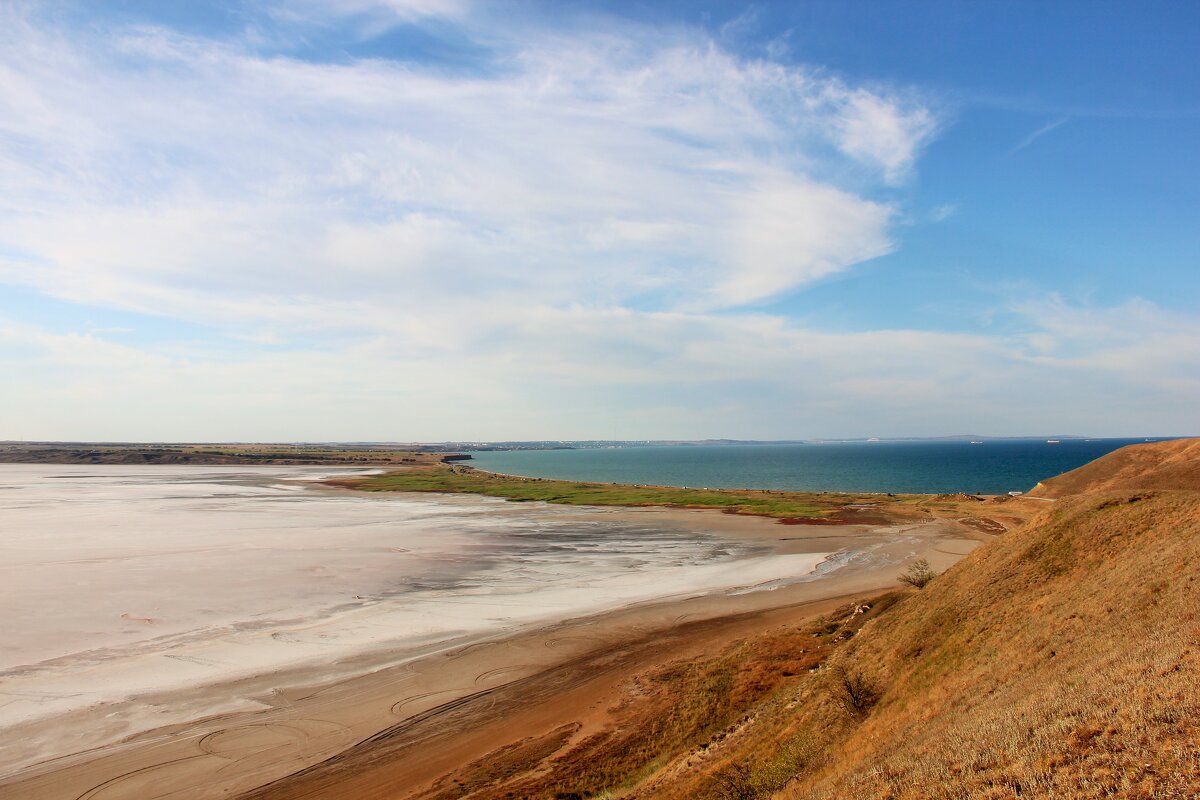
(142, 661)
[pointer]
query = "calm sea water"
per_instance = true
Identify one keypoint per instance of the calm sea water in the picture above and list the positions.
(943, 466)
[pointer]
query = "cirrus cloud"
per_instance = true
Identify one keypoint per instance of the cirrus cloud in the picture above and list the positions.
(146, 169)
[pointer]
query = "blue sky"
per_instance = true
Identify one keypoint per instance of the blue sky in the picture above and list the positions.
(445, 219)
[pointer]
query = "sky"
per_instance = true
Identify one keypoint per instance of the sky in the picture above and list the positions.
(428, 220)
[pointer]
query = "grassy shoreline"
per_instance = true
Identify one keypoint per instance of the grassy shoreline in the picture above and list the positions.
(812, 507)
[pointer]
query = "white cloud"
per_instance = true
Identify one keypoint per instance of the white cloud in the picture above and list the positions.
(881, 129)
(369, 18)
(583, 372)
(1136, 341)
(564, 244)
(153, 169)
(787, 234)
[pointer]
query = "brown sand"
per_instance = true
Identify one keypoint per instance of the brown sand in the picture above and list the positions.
(578, 695)
(391, 732)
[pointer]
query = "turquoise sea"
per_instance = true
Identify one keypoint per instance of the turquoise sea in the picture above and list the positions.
(991, 467)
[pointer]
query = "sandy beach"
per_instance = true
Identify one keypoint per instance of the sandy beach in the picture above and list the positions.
(238, 626)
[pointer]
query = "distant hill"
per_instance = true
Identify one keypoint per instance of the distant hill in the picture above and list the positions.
(1156, 465)
(216, 454)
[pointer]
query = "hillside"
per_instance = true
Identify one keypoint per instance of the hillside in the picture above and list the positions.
(1063, 660)
(1156, 465)
(1060, 660)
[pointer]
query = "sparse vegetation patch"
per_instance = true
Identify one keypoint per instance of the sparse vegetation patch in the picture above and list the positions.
(918, 574)
(833, 508)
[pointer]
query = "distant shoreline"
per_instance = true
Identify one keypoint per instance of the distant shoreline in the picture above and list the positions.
(987, 468)
(218, 455)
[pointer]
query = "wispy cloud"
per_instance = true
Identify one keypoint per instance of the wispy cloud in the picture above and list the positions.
(943, 212)
(1039, 133)
(149, 169)
(582, 372)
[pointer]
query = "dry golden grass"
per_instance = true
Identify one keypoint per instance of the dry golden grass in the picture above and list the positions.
(1156, 465)
(685, 707)
(1061, 660)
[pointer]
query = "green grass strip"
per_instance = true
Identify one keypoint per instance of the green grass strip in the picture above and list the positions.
(743, 501)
